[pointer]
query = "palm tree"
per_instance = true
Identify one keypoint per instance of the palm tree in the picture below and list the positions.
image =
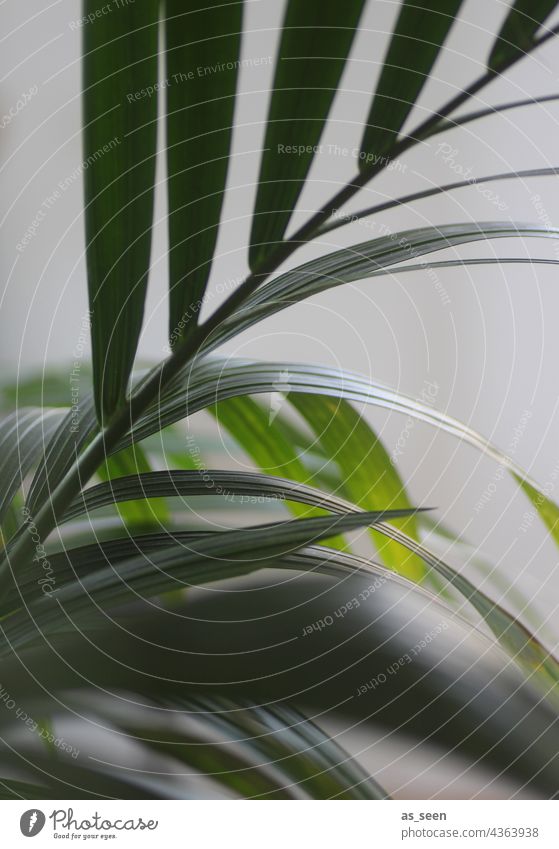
(197, 653)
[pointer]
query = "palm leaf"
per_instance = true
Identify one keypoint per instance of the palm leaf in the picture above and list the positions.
(369, 477)
(517, 34)
(315, 42)
(437, 190)
(515, 638)
(361, 261)
(265, 752)
(200, 103)
(73, 433)
(465, 694)
(420, 32)
(215, 379)
(22, 437)
(136, 513)
(252, 427)
(120, 113)
(209, 558)
(547, 509)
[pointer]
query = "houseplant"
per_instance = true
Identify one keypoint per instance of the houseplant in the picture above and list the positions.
(219, 656)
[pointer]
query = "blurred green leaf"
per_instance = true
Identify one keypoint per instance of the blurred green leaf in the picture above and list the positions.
(60, 452)
(255, 430)
(50, 389)
(528, 652)
(370, 478)
(23, 436)
(547, 509)
(136, 512)
(264, 752)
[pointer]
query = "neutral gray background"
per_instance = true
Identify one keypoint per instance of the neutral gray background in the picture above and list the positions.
(492, 347)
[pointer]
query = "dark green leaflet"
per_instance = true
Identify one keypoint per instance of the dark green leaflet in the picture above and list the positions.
(315, 43)
(420, 32)
(202, 62)
(517, 35)
(120, 115)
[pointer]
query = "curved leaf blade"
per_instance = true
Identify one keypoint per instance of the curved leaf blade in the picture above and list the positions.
(216, 482)
(66, 443)
(205, 559)
(136, 512)
(265, 751)
(361, 261)
(23, 435)
(214, 379)
(547, 509)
